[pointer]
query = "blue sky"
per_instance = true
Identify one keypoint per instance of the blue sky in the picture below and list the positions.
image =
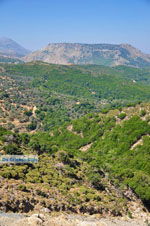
(35, 23)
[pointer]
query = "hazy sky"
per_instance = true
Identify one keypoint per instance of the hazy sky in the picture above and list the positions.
(35, 23)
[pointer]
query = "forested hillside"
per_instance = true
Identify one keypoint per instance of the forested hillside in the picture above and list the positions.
(90, 127)
(42, 96)
(96, 164)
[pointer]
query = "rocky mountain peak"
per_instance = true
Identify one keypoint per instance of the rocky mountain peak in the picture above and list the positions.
(10, 48)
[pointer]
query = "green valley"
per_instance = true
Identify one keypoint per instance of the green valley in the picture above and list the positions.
(54, 94)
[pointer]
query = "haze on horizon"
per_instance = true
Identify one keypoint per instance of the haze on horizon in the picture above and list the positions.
(34, 23)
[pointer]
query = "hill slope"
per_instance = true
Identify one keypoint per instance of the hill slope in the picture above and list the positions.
(52, 94)
(95, 164)
(100, 54)
(10, 48)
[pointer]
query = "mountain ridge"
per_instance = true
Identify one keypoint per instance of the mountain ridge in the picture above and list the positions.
(77, 54)
(10, 48)
(100, 54)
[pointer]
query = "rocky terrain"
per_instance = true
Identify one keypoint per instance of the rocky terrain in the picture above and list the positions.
(75, 53)
(100, 54)
(68, 220)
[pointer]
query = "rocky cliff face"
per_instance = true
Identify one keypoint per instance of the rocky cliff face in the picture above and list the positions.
(100, 54)
(10, 48)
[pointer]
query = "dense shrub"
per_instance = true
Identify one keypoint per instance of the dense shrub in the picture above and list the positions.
(122, 115)
(12, 149)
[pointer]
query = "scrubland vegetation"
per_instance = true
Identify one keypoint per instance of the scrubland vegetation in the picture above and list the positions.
(90, 131)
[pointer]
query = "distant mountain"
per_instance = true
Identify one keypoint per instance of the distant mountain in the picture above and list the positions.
(100, 54)
(10, 48)
(7, 59)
